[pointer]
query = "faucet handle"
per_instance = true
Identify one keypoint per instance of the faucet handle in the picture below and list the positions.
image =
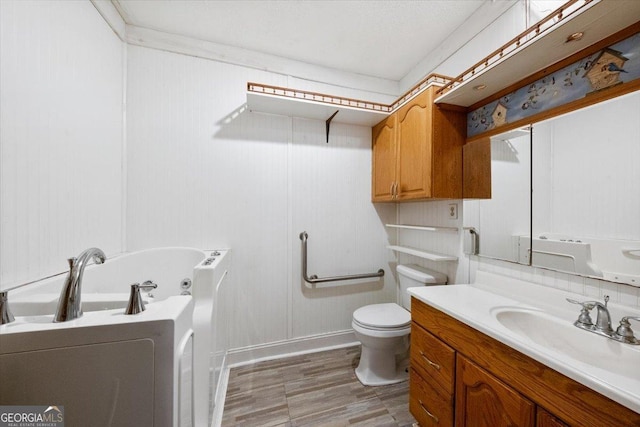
(136, 305)
(584, 320)
(624, 332)
(587, 305)
(148, 285)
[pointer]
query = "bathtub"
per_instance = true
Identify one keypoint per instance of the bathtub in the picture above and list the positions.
(182, 274)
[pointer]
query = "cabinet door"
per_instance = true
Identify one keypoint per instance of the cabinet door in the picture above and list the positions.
(484, 401)
(414, 148)
(383, 174)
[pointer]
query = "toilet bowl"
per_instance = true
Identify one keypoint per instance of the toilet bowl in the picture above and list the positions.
(383, 330)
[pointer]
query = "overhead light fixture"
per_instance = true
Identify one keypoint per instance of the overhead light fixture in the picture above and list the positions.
(480, 87)
(575, 37)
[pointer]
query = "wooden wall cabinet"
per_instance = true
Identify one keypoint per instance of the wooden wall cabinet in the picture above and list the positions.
(476, 169)
(417, 152)
(465, 378)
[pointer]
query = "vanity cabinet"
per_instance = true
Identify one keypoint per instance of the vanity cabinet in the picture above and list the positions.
(487, 401)
(475, 380)
(545, 419)
(417, 152)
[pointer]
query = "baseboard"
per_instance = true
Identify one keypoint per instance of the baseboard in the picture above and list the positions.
(292, 347)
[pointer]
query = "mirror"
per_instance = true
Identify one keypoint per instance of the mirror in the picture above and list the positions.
(586, 191)
(502, 216)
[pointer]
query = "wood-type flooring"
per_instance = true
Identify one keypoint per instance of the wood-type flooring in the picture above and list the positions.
(317, 389)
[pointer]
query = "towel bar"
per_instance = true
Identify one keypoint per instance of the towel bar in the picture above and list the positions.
(315, 279)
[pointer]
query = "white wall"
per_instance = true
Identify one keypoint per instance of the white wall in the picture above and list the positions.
(61, 187)
(202, 171)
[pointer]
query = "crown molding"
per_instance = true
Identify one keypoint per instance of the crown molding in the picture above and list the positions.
(112, 16)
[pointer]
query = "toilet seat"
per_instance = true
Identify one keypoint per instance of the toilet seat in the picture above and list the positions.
(382, 317)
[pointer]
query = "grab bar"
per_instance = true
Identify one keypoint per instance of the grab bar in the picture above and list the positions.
(315, 279)
(631, 252)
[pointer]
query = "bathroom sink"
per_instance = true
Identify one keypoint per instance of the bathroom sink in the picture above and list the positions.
(561, 336)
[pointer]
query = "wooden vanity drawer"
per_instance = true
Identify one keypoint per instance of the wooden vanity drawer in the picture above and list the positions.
(427, 404)
(433, 359)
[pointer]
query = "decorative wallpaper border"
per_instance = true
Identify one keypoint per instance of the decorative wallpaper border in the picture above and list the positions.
(603, 70)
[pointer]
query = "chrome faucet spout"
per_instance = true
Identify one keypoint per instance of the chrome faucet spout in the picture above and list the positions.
(70, 302)
(603, 320)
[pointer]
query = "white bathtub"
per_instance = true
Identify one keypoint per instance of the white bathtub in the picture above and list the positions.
(105, 290)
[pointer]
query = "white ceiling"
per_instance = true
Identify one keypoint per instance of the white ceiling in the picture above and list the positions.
(383, 38)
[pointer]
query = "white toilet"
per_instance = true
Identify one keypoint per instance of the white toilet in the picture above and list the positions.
(383, 330)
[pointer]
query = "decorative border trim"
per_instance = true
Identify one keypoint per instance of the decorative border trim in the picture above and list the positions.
(528, 36)
(302, 95)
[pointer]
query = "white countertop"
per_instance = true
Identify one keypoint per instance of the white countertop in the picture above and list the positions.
(607, 366)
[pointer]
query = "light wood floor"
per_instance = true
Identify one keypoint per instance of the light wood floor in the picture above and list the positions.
(318, 389)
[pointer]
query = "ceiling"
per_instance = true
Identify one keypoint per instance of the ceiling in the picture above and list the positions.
(383, 38)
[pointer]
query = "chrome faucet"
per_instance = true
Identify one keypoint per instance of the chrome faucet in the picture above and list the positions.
(603, 322)
(5, 314)
(70, 303)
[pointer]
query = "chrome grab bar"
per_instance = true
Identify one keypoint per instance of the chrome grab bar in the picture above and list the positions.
(315, 279)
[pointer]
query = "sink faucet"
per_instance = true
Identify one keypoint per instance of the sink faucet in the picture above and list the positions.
(70, 304)
(624, 333)
(603, 321)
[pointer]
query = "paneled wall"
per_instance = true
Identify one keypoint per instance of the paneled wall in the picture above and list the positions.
(433, 213)
(61, 137)
(203, 171)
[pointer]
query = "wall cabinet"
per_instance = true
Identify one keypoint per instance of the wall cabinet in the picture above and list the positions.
(462, 377)
(476, 169)
(417, 152)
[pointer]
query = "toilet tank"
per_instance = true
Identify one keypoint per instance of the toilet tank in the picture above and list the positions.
(411, 275)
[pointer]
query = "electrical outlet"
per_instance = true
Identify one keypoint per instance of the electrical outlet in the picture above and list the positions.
(453, 211)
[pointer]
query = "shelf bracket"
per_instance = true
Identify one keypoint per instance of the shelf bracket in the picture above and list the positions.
(328, 123)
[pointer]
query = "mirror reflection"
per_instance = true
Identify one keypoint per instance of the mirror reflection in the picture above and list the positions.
(503, 221)
(586, 191)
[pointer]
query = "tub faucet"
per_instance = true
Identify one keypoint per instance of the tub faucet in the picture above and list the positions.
(70, 303)
(5, 314)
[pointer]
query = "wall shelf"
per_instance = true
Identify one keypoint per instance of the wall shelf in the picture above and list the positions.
(423, 227)
(541, 46)
(432, 256)
(289, 102)
(298, 103)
